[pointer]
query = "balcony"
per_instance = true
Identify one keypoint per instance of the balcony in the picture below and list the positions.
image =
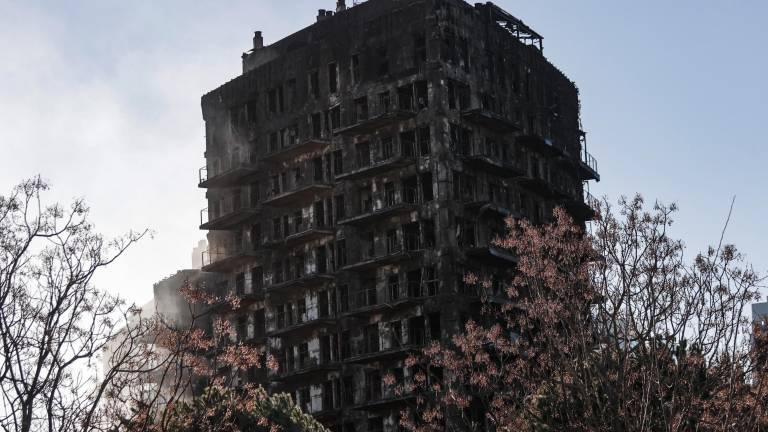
(489, 120)
(366, 352)
(540, 144)
(222, 173)
(485, 250)
(391, 205)
(226, 258)
(246, 299)
(486, 205)
(372, 124)
(323, 408)
(286, 154)
(306, 280)
(538, 182)
(368, 300)
(377, 165)
(305, 367)
(493, 164)
(492, 254)
(303, 233)
(303, 327)
(229, 214)
(371, 259)
(258, 339)
(362, 302)
(302, 192)
(376, 397)
(588, 166)
(582, 209)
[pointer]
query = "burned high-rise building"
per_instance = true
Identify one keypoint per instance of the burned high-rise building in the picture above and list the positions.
(358, 168)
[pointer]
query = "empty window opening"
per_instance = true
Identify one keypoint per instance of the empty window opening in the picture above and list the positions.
(333, 78)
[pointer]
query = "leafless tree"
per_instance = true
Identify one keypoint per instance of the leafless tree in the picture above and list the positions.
(55, 326)
(53, 321)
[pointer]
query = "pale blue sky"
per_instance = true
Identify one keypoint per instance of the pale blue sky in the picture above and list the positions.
(102, 98)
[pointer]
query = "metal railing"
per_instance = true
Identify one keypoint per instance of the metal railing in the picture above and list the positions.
(413, 338)
(323, 402)
(314, 312)
(306, 226)
(285, 142)
(486, 150)
(309, 268)
(219, 166)
(302, 361)
(363, 298)
(370, 392)
(393, 246)
(220, 253)
(229, 205)
(388, 199)
(310, 179)
(589, 160)
(591, 201)
(382, 155)
(379, 391)
(419, 289)
(412, 290)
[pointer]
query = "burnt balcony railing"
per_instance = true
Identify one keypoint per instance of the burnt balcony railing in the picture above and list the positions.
(225, 172)
(384, 205)
(492, 162)
(304, 364)
(370, 349)
(226, 257)
(363, 300)
(591, 201)
(306, 231)
(540, 143)
(366, 122)
(314, 317)
(323, 405)
(316, 277)
(490, 120)
(577, 201)
(394, 251)
(588, 166)
(538, 179)
(413, 290)
(371, 392)
(298, 191)
(483, 247)
(491, 200)
(228, 213)
(385, 159)
(375, 396)
(296, 149)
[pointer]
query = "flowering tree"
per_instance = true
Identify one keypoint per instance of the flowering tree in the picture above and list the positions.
(225, 410)
(610, 331)
(191, 376)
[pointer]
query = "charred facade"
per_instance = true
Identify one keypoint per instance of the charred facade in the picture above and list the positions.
(359, 168)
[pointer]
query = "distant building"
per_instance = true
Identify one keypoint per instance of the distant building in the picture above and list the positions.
(760, 314)
(197, 254)
(360, 167)
(172, 308)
